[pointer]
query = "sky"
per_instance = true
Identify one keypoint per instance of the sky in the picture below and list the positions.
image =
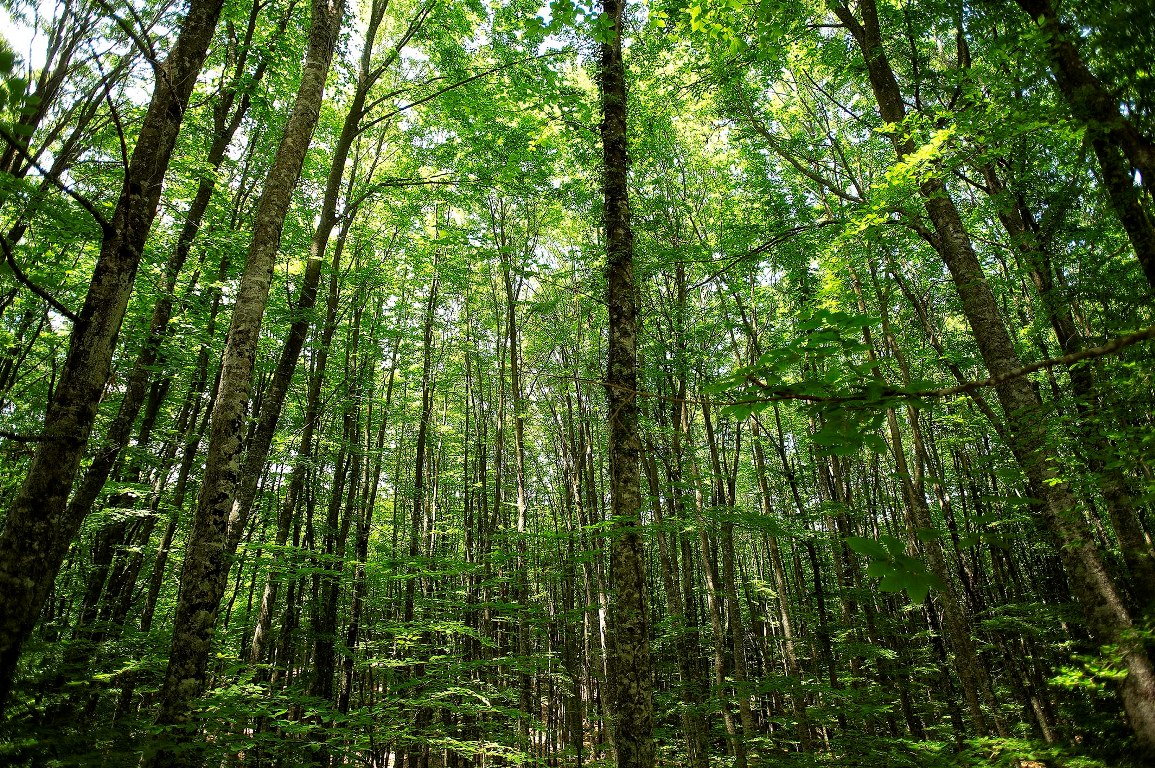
(22, 40)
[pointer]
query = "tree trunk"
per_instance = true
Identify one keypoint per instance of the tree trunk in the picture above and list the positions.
(207, 557)
(1020, 224)
(632, 710)
(1118, 144)
(1107, 616)
(275, 393)
(226, 122)
(38, 531)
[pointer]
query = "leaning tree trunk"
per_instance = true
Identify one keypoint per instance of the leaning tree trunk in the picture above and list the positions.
(37, 531)
(226, 121)
(1118, 144)
(630, 685)
(207, 558)
(1093, 585)
(1020, 224)
(328, 219)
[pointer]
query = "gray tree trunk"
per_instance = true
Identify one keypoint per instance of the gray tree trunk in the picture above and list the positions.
(207, 558)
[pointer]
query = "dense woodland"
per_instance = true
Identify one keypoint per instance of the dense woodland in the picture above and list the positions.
(416, 383)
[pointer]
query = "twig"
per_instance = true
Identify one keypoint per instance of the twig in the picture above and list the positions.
(141, 43)
(777, 240)
(478, 76)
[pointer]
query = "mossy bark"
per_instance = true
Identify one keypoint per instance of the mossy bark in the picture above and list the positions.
(630, 667)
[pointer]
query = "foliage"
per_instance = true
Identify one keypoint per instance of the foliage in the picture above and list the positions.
(795, 310)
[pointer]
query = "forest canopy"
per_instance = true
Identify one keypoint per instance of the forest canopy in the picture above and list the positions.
(722, 384)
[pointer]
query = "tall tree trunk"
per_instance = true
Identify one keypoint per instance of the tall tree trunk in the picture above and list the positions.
(632, 709)
(1107, 616)
(273, 398)
(725, 502)
(226, 121)
(973, 675)
(38, 531)
(207, 556)
(305, 456)
(692, 693)
(789, 643)
(521, 576)
(1021, 226)
(418, 756)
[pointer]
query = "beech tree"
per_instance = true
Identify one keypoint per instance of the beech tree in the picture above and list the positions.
(37, 529)
(419, 383)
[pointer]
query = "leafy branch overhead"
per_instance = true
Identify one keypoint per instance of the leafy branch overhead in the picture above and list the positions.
(896, 570)
(850, 394)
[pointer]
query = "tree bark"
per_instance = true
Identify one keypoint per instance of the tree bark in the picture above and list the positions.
(632, 710)
(38, 530)
(207, 558)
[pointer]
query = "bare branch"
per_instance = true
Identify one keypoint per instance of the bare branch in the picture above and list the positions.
(141, 43)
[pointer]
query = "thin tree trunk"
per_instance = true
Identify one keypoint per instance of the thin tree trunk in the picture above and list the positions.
(693, 696)
(793, 667)
(521, 576)
(418, 756)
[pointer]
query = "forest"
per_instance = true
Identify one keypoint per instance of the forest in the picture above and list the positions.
(698, 383)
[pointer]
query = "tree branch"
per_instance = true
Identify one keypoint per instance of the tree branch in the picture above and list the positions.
(1089, 353)
(24, 280)
(19, 438)
(81, 200)
(779, 394)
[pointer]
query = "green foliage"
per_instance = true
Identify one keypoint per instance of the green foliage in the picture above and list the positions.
(896, 570)
(790, 292)
(847, 398)
(15, 97)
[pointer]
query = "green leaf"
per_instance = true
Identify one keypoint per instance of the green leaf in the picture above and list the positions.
(867, 547)
(894, 582)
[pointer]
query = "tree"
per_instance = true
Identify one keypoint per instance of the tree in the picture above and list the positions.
(629, 659)
(206, 564)
(37, 531)
(691, 385)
